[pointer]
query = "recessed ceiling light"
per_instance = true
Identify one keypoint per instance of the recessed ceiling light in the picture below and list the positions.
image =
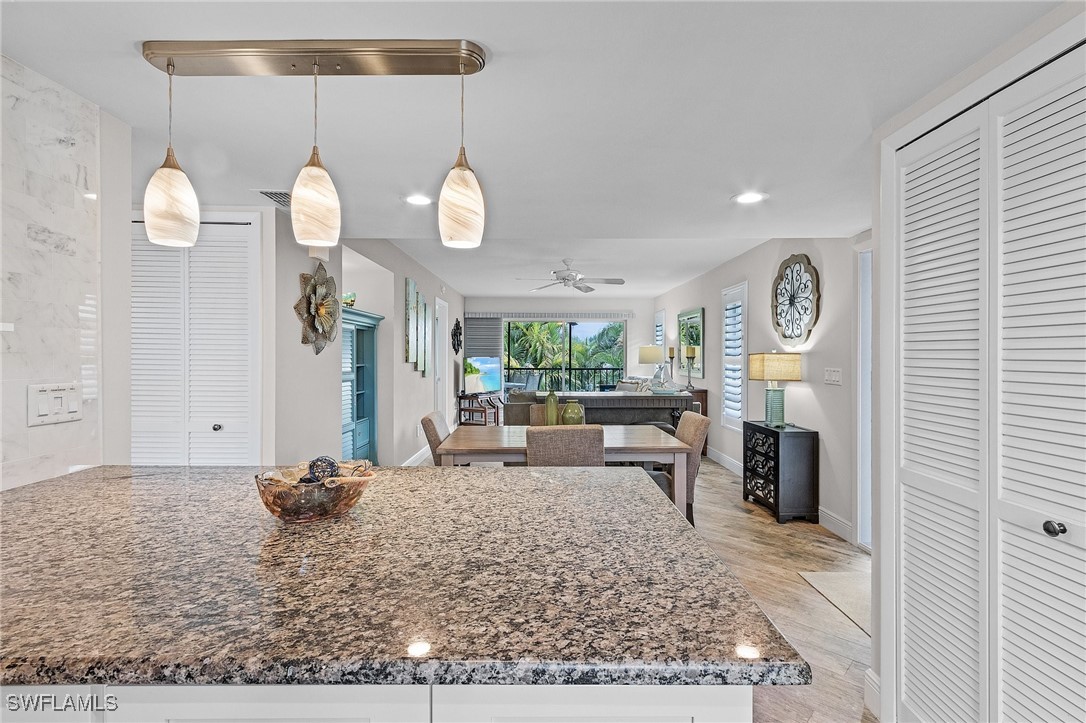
(417, 199)
(749, 197)
(90, 196)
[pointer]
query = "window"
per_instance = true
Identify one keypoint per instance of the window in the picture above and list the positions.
(574, 356)
(731, 411)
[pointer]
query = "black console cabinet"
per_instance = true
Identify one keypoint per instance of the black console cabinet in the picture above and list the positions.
(780, 469)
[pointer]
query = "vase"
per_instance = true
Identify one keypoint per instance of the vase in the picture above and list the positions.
(552, 409)
(573, 413)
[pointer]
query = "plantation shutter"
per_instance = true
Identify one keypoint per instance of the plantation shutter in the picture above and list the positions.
(732, 386)
(483, 336)
(1040, 433)
(158, 353)
(658, 323)
(221, 330)
(942, 473)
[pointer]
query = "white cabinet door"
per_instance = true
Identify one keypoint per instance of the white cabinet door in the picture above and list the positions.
(1039, 435)
(942, 227)
(195, 353)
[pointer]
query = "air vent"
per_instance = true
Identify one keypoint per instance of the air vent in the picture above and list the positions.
(280, 198)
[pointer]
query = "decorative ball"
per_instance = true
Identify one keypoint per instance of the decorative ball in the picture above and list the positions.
(322, 468)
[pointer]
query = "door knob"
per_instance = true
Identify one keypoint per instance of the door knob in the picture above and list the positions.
(1054, 529)
(217, 427)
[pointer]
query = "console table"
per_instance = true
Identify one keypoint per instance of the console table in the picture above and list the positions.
(613, 407)
(780, 469)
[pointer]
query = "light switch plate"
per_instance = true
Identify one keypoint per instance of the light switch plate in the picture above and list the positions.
(832, 375)
(53, 403)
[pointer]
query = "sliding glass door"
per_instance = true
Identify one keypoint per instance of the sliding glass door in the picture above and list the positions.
(564, 355)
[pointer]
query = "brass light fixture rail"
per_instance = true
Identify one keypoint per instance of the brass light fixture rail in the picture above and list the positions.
(295, 57)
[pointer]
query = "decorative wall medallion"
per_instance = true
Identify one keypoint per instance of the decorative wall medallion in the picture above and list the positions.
(318, 309)
(457, 337)
(796, 299)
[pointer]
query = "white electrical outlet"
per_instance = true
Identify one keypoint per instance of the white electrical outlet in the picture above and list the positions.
(418, 431)
(832, 375)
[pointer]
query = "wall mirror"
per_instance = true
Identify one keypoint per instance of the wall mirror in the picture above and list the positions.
(691, 328)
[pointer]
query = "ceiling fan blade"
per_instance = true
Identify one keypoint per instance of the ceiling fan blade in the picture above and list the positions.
(545, 286)
(605, 281)
(520, 278)
(583, 287)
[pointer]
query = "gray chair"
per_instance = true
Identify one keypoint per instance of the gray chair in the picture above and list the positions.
(537, 415)
(532, 384)
(693, 428)
(573, 446)
(437, 430)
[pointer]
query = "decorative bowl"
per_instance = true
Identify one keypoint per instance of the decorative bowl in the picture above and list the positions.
(291, 500)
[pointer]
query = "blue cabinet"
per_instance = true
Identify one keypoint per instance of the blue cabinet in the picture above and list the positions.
(359, 390)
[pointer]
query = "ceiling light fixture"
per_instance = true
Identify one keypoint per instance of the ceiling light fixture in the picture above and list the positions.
(417, 199)
(461, 212)
(171, 211)
(314, 203)
(749, 197)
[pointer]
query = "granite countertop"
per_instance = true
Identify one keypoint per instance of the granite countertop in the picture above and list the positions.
(158, 575)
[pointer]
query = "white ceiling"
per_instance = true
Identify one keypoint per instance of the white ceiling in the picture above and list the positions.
(613, 133)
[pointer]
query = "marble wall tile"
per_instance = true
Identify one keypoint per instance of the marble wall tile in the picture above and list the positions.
(49, 259)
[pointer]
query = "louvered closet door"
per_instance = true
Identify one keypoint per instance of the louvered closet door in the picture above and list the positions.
(158, 353)
(1039, 437)
(942, 609)
(221, 346)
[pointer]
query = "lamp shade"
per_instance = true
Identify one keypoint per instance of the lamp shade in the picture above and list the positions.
(314, 205)
(650, 355)
(774, 367)
(461, 213)
(171, 212)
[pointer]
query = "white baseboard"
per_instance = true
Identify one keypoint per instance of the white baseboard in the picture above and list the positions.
(730, 464)
(837, 525)
(871, 692)
(422, 457)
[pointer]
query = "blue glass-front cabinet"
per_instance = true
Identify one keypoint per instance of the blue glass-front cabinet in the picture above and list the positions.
(359, 390)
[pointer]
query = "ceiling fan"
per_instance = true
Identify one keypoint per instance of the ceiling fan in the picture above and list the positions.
(572, 278)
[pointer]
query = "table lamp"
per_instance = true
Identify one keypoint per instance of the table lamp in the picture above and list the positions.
(654, 355)
(773, 368)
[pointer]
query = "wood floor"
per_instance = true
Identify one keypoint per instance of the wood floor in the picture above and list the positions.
(767, 558)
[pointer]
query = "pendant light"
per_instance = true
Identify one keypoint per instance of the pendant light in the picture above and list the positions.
(314, 203)
(171, 212)
(460, 212)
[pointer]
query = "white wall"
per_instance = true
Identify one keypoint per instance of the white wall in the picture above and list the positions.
(115, 206)
(375, 287)
(49, 263)
(827, 409)
(412, 393)
(639, 330)
(307, 385)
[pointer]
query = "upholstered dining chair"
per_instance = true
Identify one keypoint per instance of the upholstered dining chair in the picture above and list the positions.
(537, 415)
(692, 430)
(573, 446)
(436, 429)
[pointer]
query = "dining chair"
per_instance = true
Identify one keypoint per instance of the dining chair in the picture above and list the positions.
(437, 430)
(692, 429)
(537, 415)
(572, 446)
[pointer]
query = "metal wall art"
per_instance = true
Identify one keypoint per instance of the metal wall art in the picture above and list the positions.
(318, 308)
(796, 299)
(457, 337)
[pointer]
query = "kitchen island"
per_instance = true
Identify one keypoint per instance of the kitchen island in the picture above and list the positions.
(446, 594)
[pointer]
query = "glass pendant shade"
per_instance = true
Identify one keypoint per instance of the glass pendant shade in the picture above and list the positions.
(314, 205)
(460, 211)
(171, 212)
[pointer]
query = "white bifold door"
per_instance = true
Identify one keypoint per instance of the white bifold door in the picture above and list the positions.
(195, 343)
(991, 443)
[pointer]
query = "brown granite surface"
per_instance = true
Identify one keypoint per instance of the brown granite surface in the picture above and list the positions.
(123, 575)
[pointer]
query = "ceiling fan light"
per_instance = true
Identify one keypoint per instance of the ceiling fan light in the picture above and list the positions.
(461, 213)
(314, 205)
(171, 211)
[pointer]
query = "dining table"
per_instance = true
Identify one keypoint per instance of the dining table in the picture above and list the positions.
(621, 443)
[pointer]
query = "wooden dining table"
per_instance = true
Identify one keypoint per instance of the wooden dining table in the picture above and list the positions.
(621, 443)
